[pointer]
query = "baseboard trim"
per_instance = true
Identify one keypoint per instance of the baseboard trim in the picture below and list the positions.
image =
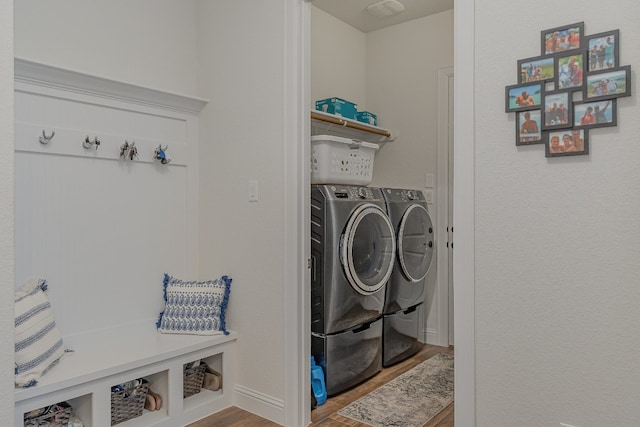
(260, 404)
(430, 336)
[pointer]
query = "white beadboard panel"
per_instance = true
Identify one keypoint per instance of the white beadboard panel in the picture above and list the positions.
(102, 233)
(102, 230)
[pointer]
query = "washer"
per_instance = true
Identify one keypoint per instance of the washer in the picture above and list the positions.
(403, 308)
(353, 251)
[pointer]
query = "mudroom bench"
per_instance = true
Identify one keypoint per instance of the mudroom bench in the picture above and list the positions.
(105, 358)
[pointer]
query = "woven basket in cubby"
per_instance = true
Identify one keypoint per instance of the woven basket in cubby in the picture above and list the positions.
(192, 380)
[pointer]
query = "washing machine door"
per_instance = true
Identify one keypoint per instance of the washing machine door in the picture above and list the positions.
(415, 243)
(368, 249)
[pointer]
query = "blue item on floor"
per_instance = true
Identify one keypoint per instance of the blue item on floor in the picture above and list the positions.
(317, 383)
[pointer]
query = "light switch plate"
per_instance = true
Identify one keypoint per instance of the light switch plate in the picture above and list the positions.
(428, 196)
(428, 183)
(253, 191)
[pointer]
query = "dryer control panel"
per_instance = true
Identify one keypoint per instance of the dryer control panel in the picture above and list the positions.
(395, 195)
(350, 192)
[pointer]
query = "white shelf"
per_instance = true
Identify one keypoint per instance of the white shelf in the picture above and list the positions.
(330, 124)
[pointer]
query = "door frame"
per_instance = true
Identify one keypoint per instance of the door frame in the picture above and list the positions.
(464, 212)
(296, 218)
(296, 212)
(442, 213)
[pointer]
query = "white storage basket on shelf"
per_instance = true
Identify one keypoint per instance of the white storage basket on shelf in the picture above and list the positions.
(336, 160)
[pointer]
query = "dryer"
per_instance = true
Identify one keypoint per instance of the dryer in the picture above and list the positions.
(405, 292)
(353, 251)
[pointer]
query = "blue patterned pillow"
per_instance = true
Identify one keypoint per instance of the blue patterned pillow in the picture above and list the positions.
(38, 342)
(194, 307)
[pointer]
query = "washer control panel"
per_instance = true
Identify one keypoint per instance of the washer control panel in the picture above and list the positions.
(356, 193)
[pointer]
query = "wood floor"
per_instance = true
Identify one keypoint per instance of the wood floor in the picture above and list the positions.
(325, 415)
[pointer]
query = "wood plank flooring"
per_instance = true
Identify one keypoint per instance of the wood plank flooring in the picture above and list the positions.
(325, 415)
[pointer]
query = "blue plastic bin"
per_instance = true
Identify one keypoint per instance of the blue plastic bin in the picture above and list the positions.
(317, 383)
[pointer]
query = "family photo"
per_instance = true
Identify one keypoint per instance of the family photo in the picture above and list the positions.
(570, 71)
(523, 97)
(609, 84)
(562, 39)
(556, 110)
(529, 128)
(536, 69)
(595, 114)
(567, 143)
(603, 50)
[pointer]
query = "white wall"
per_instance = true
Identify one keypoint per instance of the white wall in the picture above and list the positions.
(338, 65)
(147, 42)
(557, 253)
(6, 210)
(241, 71)
(402, 89)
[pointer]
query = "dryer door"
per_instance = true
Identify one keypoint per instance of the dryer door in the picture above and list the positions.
(367, 249)
(415, 243)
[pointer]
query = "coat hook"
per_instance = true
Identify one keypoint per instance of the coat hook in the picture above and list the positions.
(133, 151)
(124, 149)
(129, 150)
(87, 143)
(44, 139)
(161, 154)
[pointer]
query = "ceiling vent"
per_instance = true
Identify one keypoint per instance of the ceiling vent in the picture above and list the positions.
(385, 8)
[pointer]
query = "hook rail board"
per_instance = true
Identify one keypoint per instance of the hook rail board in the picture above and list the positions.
(70, 142)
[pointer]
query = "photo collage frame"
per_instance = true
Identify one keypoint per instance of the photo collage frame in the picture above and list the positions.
(571, 87)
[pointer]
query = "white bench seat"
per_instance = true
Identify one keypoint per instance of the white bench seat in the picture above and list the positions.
(108, 357)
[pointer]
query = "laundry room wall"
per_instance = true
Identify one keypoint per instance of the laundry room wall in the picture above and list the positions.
(557, 255)
(338, 67)
(147, 42)
(241, 69)
(6, 210)
(402, 89)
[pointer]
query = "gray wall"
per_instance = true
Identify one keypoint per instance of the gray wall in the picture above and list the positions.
(556, 250)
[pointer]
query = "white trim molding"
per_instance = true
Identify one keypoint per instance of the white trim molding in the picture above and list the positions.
(441, 335)
(259, 403)
(297, 239)
(464, 212)
(73, 81)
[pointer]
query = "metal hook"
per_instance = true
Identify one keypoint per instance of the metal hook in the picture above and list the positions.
(44, 139)
(133, 151)
(161, 154)
(129, 150)
(88, 143)
(124, 148)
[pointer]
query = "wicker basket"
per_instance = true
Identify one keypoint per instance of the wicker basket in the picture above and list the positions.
(129, 403)
(192, 380)
(50, 417)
